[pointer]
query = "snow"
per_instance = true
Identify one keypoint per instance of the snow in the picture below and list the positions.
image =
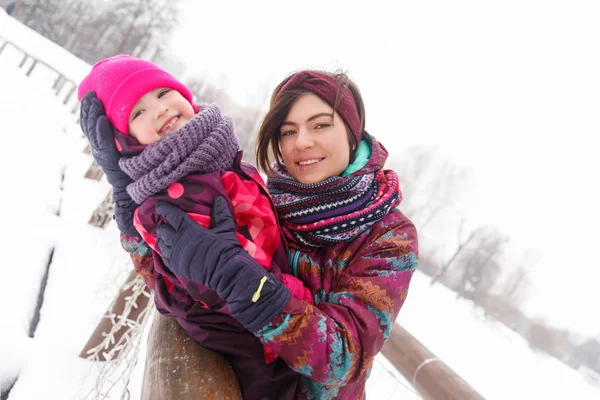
(47, 211)
(45, 50)
(491, 357)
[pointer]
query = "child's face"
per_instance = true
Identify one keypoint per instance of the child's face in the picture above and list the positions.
(158, 113)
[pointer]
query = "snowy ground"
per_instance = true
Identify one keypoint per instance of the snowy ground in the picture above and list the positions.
(47, 206)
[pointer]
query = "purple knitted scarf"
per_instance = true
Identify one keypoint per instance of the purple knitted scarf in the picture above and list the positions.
(206, 143)
(339, 209)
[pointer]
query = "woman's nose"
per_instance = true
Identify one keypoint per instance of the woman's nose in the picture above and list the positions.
(304, 140)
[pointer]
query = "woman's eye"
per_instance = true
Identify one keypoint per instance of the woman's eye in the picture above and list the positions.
(287, 133)
(163, 92)
(322, 126)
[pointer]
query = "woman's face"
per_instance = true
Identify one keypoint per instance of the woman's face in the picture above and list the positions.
(314, 145)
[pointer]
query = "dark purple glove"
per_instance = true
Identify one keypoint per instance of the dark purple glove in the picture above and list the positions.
(214, 258)
(100, 134)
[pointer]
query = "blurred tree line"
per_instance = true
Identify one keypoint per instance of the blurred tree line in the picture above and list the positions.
(477, 262)
(93, 30)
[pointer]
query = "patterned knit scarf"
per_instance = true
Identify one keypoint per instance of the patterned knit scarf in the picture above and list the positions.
(206, 143)
(336, 210)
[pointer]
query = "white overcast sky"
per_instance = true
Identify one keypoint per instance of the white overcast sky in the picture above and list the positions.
(509, 87)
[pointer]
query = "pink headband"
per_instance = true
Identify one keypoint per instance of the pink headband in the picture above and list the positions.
(325, 86)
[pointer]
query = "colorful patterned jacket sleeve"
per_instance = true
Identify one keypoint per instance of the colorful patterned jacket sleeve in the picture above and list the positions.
(141, 256)
(334, 342)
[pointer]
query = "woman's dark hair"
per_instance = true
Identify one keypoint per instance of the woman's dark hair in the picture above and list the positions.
(267, 143)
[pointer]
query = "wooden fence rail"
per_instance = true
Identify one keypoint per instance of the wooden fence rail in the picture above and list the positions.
(60, 82)
(428, 375)
(178, 368)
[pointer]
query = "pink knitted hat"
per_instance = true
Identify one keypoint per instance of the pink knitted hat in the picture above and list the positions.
(120, 81)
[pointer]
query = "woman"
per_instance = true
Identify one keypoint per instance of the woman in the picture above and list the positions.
(347, 241)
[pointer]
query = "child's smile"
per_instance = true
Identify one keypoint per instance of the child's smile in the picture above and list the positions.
(169, 126)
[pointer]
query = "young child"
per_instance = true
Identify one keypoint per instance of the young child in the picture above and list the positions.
(185, 154)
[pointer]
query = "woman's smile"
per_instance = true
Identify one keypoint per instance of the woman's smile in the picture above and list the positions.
(307, 164)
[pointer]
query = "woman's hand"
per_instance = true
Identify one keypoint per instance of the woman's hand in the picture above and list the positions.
(214, 258)
(100, 134)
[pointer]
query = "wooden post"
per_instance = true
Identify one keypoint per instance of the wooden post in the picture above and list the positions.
(3, 46)
(75, 109)
(24, 60)
(59, 85)
(104, 212)
(57, 81)
(178, 368)
(430, 377)
(30, 70)
(106, 324)
(70, 93)
(94, 172)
